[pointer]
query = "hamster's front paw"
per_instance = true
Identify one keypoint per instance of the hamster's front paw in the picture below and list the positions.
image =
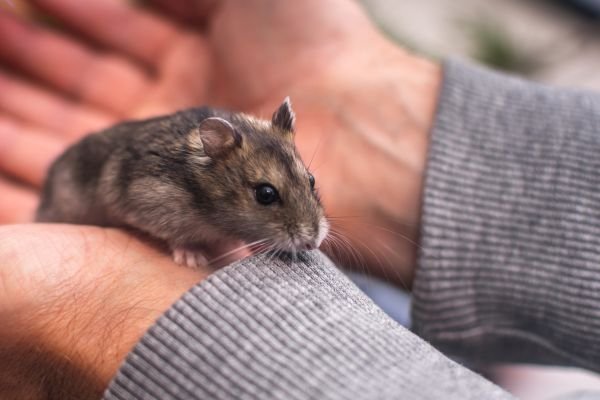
(190, 258)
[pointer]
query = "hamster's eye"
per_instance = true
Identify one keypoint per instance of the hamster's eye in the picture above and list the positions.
(266, 194)
(311, 179)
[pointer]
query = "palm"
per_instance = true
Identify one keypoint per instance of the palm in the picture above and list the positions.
(263, 47)
(148, 65)
(248, 56)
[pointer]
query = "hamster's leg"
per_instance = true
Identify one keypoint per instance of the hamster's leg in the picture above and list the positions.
(192, 258)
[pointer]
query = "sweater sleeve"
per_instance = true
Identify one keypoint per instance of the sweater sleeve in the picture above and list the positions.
(510, 266)
(276, 329)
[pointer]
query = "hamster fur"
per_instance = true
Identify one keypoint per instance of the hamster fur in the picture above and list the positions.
(191, 179)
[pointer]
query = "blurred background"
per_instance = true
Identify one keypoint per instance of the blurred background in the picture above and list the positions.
(552, 41)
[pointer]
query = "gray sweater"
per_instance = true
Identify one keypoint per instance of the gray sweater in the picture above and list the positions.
(509, 270)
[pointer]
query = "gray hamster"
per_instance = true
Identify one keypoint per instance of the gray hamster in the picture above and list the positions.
(193, 179)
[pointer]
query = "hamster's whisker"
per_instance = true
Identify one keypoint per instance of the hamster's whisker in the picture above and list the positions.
(357, 258)
(378, 260)
(398, 234)
(315, 150)
(264, 247)
(243, 247)
(382, 267)
(359, 220)
(342, 217)
(344, 249)
(277, 253)
(273, 252)
(385, 252)
(397, 272)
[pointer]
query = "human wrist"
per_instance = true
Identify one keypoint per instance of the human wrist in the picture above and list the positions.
(99, 328)
(75, 300)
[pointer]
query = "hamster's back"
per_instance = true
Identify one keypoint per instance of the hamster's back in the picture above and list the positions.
(69, 192)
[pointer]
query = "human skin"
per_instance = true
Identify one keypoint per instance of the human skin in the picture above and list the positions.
(73, 302)
(364, 109)
(363, 104)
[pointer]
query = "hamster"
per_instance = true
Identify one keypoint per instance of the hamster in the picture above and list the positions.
(193, 179)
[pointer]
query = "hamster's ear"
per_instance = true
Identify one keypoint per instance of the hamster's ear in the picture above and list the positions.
(214, 137)
(284, 118)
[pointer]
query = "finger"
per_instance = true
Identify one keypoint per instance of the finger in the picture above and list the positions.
(17, 204)
(26, 153)
(187, 10)
(116, 25)
(227, 253)
(48, 111)
(70, 66)
(16, 7)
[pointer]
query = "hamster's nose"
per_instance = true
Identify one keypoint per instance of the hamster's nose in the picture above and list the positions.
(309, 246)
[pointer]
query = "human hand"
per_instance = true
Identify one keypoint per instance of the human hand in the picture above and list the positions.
(364, 105)
(126, 63)
(73, 302)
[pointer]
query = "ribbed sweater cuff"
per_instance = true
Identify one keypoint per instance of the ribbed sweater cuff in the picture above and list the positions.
(274, 329)
(510, 266)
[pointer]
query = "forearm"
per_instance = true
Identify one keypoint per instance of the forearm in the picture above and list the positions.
(74, 301)
(280, 330)
(510, 267)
